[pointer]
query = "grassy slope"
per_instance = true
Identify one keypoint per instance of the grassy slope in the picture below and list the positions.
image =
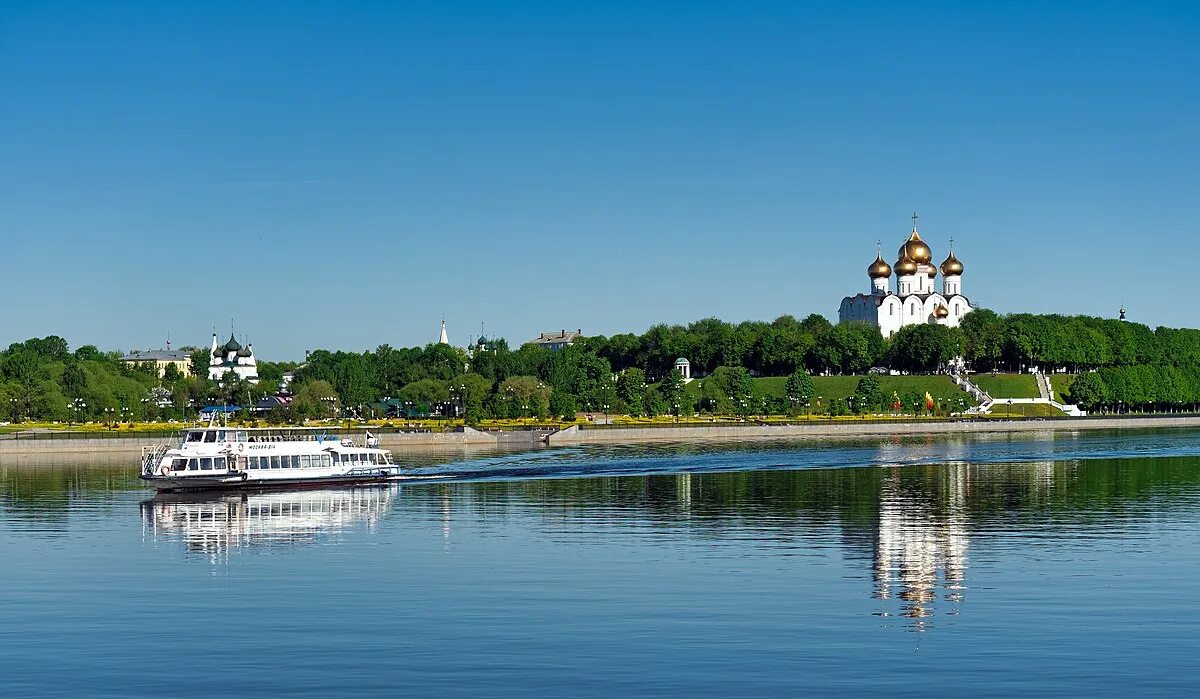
(940, 387)
(1061, 383)
(1007, 385)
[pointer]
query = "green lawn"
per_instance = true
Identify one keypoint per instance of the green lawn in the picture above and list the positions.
(1007, 385)
(1025, 410)
(1061, 383)
(940, 387)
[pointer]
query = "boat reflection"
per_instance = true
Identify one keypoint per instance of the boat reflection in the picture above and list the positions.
(216, 523)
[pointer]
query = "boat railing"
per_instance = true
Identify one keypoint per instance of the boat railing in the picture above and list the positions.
(151, 456)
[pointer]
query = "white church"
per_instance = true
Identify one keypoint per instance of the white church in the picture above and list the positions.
(916, 298)
(232, 357)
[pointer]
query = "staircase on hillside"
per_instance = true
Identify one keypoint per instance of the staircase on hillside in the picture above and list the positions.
(1045, 390)
(981, 396)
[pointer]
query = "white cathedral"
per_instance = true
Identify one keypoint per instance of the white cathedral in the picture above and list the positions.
(915, 300)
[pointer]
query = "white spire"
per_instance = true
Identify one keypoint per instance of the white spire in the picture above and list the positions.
(443, 339)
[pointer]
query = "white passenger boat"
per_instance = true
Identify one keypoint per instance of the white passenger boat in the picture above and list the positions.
(226, 457)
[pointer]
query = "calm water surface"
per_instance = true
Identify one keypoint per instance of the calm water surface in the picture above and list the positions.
(1039, 564)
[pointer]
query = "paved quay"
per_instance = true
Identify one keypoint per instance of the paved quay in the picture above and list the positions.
(104, 449)
(628, 435)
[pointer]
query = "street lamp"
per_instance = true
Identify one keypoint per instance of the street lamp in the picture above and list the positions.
(79, 406)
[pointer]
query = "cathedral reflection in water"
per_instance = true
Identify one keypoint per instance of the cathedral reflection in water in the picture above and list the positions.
(921, 546)
(214, 524)
(923, 538)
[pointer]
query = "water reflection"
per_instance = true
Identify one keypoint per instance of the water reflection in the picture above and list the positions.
(919, 544)
(911, 534)
(216, 523)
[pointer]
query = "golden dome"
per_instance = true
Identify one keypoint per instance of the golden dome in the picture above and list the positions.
(879, 269)
(941, 311)
(905, 265)
(916, 249)
(952, 265)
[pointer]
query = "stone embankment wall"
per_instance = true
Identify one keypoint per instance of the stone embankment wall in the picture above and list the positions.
(132, 445)
(574, 435)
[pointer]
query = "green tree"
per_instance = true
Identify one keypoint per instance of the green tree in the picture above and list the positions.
(315, 399)
(528, 395)
(868, 396)
(1087, 391)
(424, 393)
(798, 389)
(924, 348)
(632, 389)
(673, 391)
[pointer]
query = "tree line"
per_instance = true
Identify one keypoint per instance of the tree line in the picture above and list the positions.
(1119, 364)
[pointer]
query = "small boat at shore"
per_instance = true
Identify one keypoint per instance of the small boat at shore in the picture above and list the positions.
(221, 457)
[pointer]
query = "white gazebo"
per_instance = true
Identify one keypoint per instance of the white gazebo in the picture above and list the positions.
(684, 367)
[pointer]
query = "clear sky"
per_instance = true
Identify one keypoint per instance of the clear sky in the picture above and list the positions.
(345, 174)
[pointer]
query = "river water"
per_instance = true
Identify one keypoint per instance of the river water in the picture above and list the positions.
(1041, 564)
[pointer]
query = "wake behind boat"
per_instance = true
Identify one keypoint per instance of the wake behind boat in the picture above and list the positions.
(217, 457)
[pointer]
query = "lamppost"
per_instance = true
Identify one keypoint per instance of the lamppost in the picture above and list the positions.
(108, 416)
(79, 405)
(605, 406)
(16, 416)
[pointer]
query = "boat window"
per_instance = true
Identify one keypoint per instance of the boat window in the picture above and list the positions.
(210, 436)
(193, 464)
(219, 463)
(371, 456)
(206, 463)
(274, 462)
(195, 436)
(221, 436)
(328, 462)
(242, 435)
(178, 464)
(305, 461)
(254, 462)
(296, 461)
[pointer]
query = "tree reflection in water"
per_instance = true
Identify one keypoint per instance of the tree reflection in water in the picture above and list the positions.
(908, 529)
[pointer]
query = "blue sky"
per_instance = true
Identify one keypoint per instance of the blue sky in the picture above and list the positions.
(342, 175)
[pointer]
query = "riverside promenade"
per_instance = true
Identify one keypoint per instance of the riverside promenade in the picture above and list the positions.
(846, 429)
(45, 447)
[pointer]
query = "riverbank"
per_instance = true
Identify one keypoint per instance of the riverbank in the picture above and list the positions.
(466, 441)
(832, 429)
